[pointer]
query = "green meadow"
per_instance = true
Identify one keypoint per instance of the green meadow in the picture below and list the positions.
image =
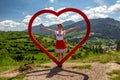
(17, 49)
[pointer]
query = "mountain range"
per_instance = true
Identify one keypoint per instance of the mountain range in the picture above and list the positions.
(36, 29)
(106, 28)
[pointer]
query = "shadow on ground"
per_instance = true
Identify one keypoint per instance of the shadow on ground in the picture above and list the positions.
(55, 71)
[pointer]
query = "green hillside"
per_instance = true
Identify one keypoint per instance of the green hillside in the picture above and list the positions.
(19, 43)
(105, 31)
(16, 49)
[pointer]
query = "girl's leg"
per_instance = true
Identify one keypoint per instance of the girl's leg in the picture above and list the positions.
(62, 55)
(58, 56)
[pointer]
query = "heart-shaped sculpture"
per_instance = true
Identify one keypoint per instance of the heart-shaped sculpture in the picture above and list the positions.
(57, 14)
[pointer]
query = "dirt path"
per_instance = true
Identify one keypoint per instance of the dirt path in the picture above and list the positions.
(97, 72)
(10, 73)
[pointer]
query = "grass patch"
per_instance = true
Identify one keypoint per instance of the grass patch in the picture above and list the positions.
(86, 59)
(81, 67)
(117, 57)
(116, 74)
(18, 77)
(5, 68)
(4, 78)
(116, 71)
(116, 78)
(102, 58)
(47, 39)
(105, 58)
(43, 66)
(7, 63)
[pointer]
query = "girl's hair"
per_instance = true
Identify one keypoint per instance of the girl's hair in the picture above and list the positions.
(60, 25)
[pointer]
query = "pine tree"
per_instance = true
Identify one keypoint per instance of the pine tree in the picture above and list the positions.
(118, 46)
(100, 49)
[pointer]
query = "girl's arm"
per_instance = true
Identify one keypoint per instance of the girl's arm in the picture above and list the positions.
(48, 29)
(70, 29)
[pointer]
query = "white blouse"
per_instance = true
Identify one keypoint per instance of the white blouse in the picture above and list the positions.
(59, 35)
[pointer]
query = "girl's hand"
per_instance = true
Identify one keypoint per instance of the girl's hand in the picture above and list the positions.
(48, 29)
(42, 28)
(77, 27)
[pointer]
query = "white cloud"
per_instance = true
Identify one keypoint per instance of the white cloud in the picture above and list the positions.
(64, 15)
(8, 24)
(118, 1)
(103, 11)
(75, 17)
(54, 19)
(88, 7)
(27, 18)
(51, 0)
(48, 23)
(114, 8)
(119, 18)
(50, 17)
(100, 2)
(60, 9)
(97, 12)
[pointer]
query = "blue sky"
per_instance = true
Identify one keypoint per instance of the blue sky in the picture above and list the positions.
(15, 14)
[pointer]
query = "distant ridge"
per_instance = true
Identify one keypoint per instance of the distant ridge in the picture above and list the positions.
(101, 28)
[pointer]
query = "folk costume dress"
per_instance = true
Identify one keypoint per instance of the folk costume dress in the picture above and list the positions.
(60, 46)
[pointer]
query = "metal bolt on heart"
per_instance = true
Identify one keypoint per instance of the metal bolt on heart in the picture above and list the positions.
(78, 45)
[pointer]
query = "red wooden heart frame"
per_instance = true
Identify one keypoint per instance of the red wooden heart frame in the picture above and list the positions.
(57, 14)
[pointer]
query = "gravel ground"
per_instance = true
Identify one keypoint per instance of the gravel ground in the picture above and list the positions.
(97, 72)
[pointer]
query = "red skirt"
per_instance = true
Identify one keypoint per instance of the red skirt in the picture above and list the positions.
(60, 46)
